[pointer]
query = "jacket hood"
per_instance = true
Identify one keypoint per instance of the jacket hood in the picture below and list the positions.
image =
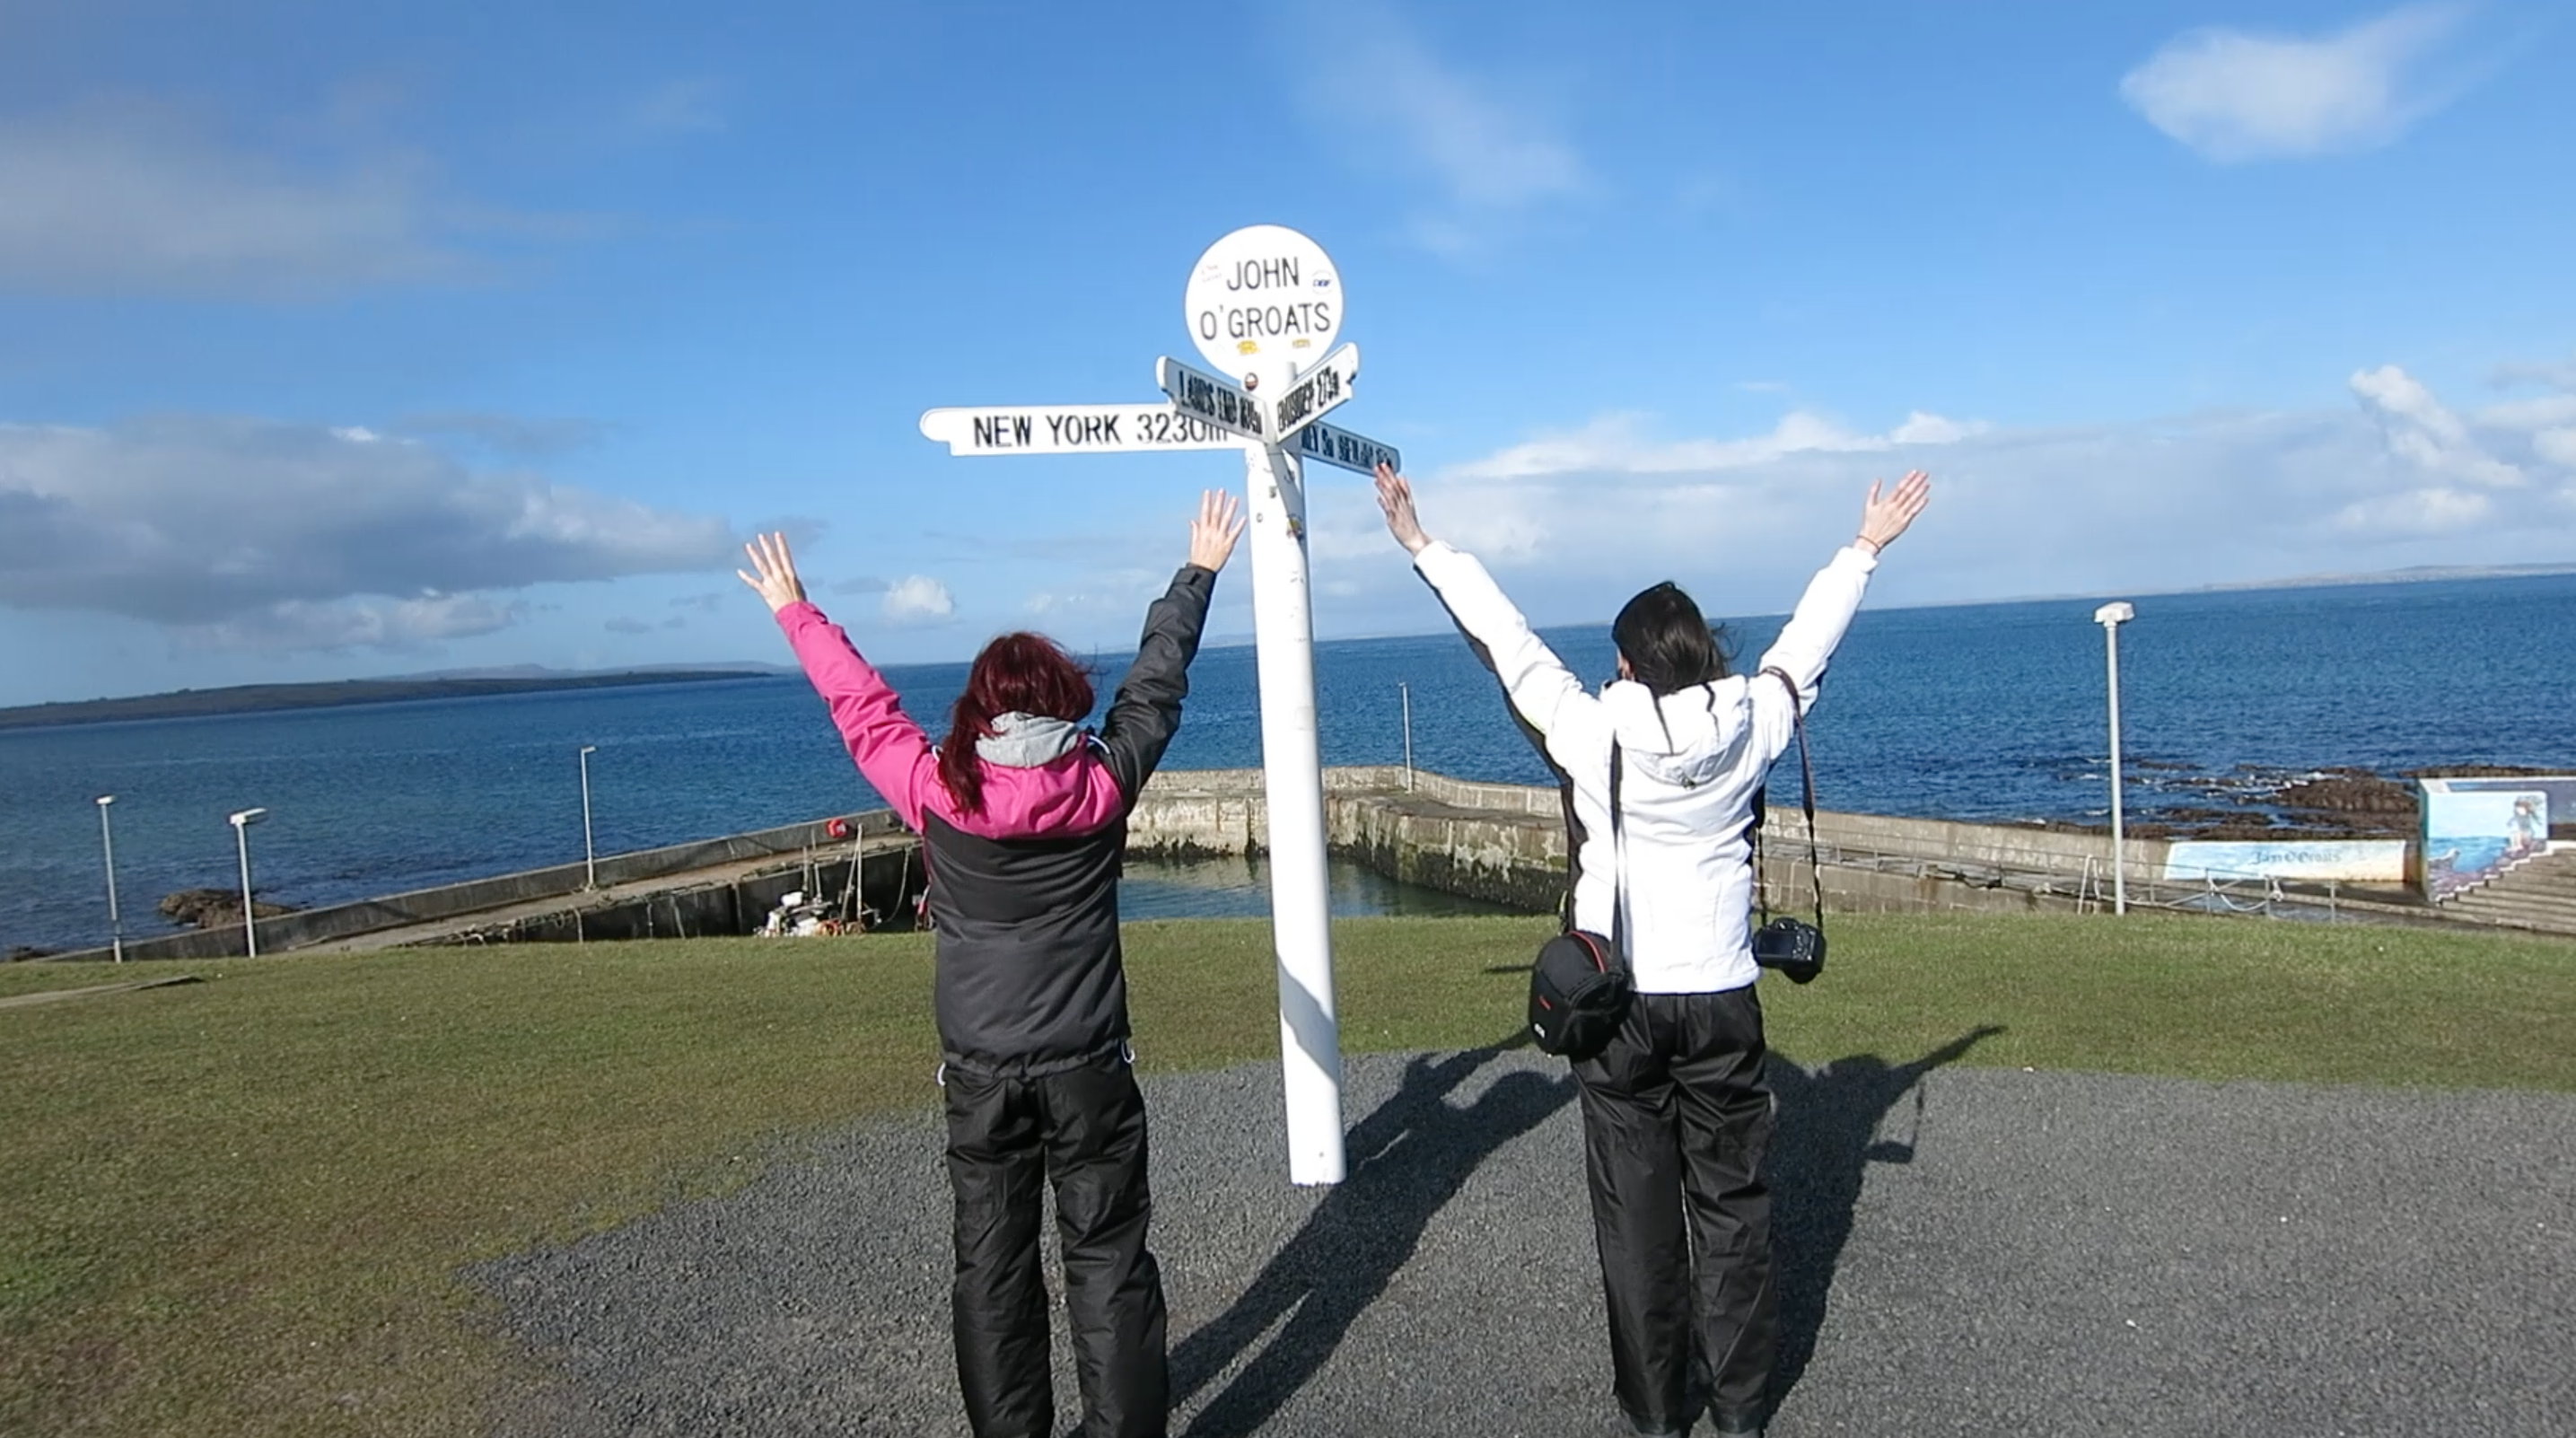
(1073, 793)
(1027, 741)
(1687, 738)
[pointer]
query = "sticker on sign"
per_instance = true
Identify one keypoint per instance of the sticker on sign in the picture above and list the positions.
(1072, 429)
(1216, 401)
(1315, 391)
(1348, 450)
(1263, 302)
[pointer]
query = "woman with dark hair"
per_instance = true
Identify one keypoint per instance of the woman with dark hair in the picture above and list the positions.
(1677, 1112)
(1023, 821)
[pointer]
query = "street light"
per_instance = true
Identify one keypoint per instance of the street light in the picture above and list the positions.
(2111, 616)
(107, 842)
(241, 823)
(1405, 694)
(589, 853)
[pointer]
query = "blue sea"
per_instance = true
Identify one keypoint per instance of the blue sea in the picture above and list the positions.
(1982, 712)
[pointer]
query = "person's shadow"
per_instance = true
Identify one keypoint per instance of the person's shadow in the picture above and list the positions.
(1409, 1158)
(1825, 1142)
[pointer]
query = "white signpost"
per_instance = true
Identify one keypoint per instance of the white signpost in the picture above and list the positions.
(1263, 305)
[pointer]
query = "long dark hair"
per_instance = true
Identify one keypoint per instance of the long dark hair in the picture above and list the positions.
(1016, 674)
(1667, 642)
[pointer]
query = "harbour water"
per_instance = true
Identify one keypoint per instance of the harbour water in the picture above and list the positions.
(1985, 712)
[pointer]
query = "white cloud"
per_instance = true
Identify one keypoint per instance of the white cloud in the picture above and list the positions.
(2425, 433)
(1614, 443)
(2554, 411)
(2434, 510)
(2547, 423)
(394, 626)
(1574, 523)
(243, 533)
(2234, 96)
(1111, 597)
(1490, 160)
(917, 600)
(120, 197)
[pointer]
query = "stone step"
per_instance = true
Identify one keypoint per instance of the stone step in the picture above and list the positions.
(2519, 908)
(2559, 892)
(2537, 924)
(2560, 916)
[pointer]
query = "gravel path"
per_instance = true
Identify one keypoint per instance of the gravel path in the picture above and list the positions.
(1967, 1251)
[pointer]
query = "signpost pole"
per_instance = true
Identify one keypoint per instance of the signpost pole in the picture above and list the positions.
(1310, 1048)
(1258, 300)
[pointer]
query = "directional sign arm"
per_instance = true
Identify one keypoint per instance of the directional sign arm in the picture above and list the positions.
(1213, 400)
(1317, 390)
(1072, 429)
(1342, 448)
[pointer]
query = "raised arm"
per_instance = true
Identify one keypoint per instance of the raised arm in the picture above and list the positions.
(1545, 695)
(889, 748)
(1807, 641)
(1147, 710)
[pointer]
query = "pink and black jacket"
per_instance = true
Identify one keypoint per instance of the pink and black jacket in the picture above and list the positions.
(1023, 895)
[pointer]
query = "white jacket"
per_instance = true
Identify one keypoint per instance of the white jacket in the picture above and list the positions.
(1693, 763)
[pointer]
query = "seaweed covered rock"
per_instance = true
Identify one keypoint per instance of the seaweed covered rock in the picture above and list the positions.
(215, 908)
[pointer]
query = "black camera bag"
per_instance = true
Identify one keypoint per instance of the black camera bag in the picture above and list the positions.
(1580, 987)
(1579, 994)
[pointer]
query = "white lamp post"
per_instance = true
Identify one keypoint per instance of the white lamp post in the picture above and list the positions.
(1404, 693)
(589, 854)
(107, 842)
(241, 823)
(2111, 616)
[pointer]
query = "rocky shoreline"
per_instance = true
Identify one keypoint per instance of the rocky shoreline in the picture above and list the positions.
(2252, 802)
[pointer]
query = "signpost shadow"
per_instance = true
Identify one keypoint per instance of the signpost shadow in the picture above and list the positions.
(1409, 1158)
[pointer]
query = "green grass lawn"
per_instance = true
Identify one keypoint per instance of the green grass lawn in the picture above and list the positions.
(238, 1206)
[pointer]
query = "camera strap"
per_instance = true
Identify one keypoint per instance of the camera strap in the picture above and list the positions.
(1618, 855)
(1806, 803)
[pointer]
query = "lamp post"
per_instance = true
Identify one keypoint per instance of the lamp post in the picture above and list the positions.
(241, 823)
(1405, 694)
(107, 842)
(2111, 616)
(589, 853)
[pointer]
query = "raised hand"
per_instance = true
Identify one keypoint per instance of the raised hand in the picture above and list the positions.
(773, 572)
(1213, 533)
(1395, 499)
(1884, 517)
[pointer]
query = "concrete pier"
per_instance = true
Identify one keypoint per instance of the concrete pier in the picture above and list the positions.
(1503, 843)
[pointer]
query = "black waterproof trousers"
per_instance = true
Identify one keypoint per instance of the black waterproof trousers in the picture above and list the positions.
(1677, 1118)
(1084, 1129)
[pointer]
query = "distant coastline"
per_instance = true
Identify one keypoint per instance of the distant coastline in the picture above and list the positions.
(2418, 574)
(336, 694)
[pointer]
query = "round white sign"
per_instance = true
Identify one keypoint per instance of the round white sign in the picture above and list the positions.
(1263, 304)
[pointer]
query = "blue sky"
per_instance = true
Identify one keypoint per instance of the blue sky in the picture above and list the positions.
(336, 342)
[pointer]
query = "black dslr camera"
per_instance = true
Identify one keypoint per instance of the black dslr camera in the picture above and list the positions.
(1793, 946)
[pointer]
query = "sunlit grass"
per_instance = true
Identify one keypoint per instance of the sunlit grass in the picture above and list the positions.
(238, 1206)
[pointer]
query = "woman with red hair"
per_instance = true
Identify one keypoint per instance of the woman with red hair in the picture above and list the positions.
(1023, 819)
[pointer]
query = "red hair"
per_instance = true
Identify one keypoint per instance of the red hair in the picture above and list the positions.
(1016, 674)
